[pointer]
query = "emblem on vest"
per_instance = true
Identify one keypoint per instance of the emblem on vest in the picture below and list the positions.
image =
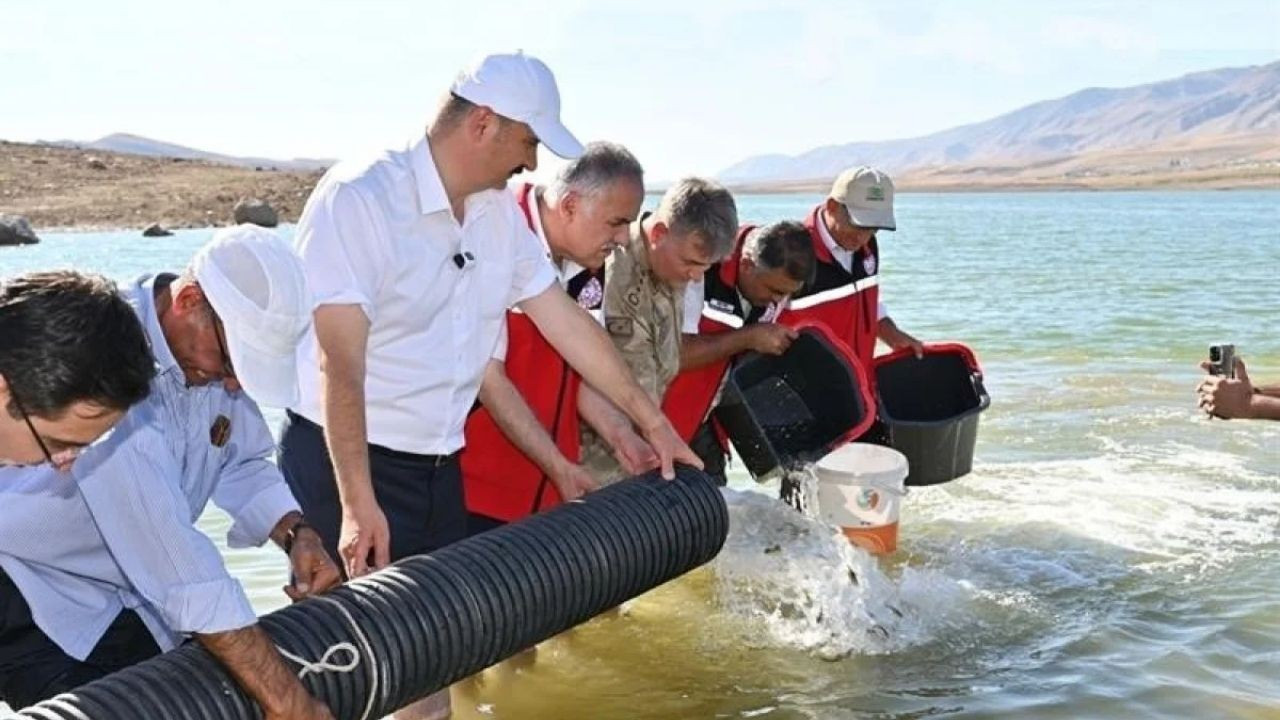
(591, 294)
(721, 306)
(220, 431)
(869, 264)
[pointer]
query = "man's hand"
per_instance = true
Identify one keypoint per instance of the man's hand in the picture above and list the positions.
(771, 338)
(895, 338)
(669, 447)
(573, 481)
(313, 570)
(251, 657)
(634, 454)
(299, 707)
(365, 541)
(1225, 397)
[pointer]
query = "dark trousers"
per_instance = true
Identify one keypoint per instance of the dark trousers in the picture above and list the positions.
(421, 495)
(707, 447)
(34, 668)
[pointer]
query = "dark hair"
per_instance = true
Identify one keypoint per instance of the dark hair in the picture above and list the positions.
(783, 245)
(705, 208)
(66, 337)
(453, 110)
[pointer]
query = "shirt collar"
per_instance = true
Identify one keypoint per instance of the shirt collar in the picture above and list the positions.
(142, 297)
(565, 268)
(431, 195)
(844, 256)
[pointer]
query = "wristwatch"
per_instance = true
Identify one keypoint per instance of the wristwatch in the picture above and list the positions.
(292, 534)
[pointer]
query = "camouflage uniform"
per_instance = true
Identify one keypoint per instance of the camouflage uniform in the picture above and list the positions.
(643, 316)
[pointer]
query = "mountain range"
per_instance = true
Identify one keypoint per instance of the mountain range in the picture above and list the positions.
(1216, 118)
(138, 145)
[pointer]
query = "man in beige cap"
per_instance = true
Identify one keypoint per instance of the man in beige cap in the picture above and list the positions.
(844, 293)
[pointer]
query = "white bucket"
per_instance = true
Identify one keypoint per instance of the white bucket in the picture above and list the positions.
(860, 489)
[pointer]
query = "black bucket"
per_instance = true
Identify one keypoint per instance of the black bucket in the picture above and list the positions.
(931, 406)
(784, 410)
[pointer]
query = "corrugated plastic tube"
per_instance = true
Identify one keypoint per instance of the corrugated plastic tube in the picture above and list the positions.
(385, 640)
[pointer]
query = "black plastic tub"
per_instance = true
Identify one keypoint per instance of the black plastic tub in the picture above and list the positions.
(931, 406)
(785, 410)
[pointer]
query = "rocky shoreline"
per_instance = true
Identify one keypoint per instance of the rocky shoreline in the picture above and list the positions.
(58, 189)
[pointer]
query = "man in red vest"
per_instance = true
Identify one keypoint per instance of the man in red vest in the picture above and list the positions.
(740, 299)
(844, 293)
(513, 469)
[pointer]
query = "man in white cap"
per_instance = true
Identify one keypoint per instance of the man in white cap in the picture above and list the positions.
(844, 293)
(103, 565)
(414, 257)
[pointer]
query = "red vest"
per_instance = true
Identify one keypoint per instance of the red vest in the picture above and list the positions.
(499, 480)
(845, 301)
(689, 398)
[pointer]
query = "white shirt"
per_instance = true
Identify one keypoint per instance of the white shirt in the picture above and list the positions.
(842, 256)
(380, 234)
(118, 530)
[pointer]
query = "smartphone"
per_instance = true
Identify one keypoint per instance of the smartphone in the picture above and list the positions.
(1222, 359)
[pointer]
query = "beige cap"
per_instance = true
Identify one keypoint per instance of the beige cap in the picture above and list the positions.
(868, 194)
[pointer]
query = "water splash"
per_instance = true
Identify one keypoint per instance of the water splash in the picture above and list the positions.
(811, 589)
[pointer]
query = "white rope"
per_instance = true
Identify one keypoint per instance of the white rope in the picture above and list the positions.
(325, 664)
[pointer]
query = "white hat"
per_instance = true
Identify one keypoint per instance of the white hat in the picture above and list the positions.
(256, 284)
(868, 194)
(521, 88)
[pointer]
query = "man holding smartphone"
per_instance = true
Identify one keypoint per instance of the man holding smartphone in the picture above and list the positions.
(1233, 395)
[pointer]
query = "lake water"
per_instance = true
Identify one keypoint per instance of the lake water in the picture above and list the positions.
(1114, 554)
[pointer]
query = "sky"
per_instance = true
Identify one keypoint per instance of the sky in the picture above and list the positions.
(690, 86)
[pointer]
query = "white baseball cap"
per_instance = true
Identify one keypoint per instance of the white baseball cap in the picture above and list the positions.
(256, 284)
(868, 194)
(522, 88)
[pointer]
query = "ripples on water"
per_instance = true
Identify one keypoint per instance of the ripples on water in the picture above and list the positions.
(1113, 554)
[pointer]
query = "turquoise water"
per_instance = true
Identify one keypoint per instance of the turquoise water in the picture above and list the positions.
(1114, 553)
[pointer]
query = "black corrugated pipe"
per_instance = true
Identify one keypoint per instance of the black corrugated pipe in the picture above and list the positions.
(418, 626)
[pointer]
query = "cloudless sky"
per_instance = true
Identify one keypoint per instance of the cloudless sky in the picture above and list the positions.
(690, 86)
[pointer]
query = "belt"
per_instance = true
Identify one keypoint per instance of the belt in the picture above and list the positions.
(432, 460)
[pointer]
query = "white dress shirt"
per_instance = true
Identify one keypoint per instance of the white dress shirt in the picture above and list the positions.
(118, 530)
(380, 234)
(842, 256)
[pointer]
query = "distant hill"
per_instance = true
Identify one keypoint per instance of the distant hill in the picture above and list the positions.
(138, 145)
(1218, 118)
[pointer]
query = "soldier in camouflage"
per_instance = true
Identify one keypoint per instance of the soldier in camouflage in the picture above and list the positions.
(644, 299)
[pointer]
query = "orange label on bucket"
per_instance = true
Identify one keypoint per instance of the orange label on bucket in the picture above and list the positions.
(875, 539)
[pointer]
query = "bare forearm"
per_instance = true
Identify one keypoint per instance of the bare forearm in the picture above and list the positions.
(516, 420)
(586, 347)
(1264, 405)
(252, 659)
(603, 416)
(699, 350)
(346, 435)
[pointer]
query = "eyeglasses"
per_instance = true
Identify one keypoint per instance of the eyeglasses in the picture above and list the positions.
(58, 459)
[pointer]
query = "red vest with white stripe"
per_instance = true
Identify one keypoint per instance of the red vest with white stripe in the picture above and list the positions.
(688, 399)
(499, 480)
(845, 301)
